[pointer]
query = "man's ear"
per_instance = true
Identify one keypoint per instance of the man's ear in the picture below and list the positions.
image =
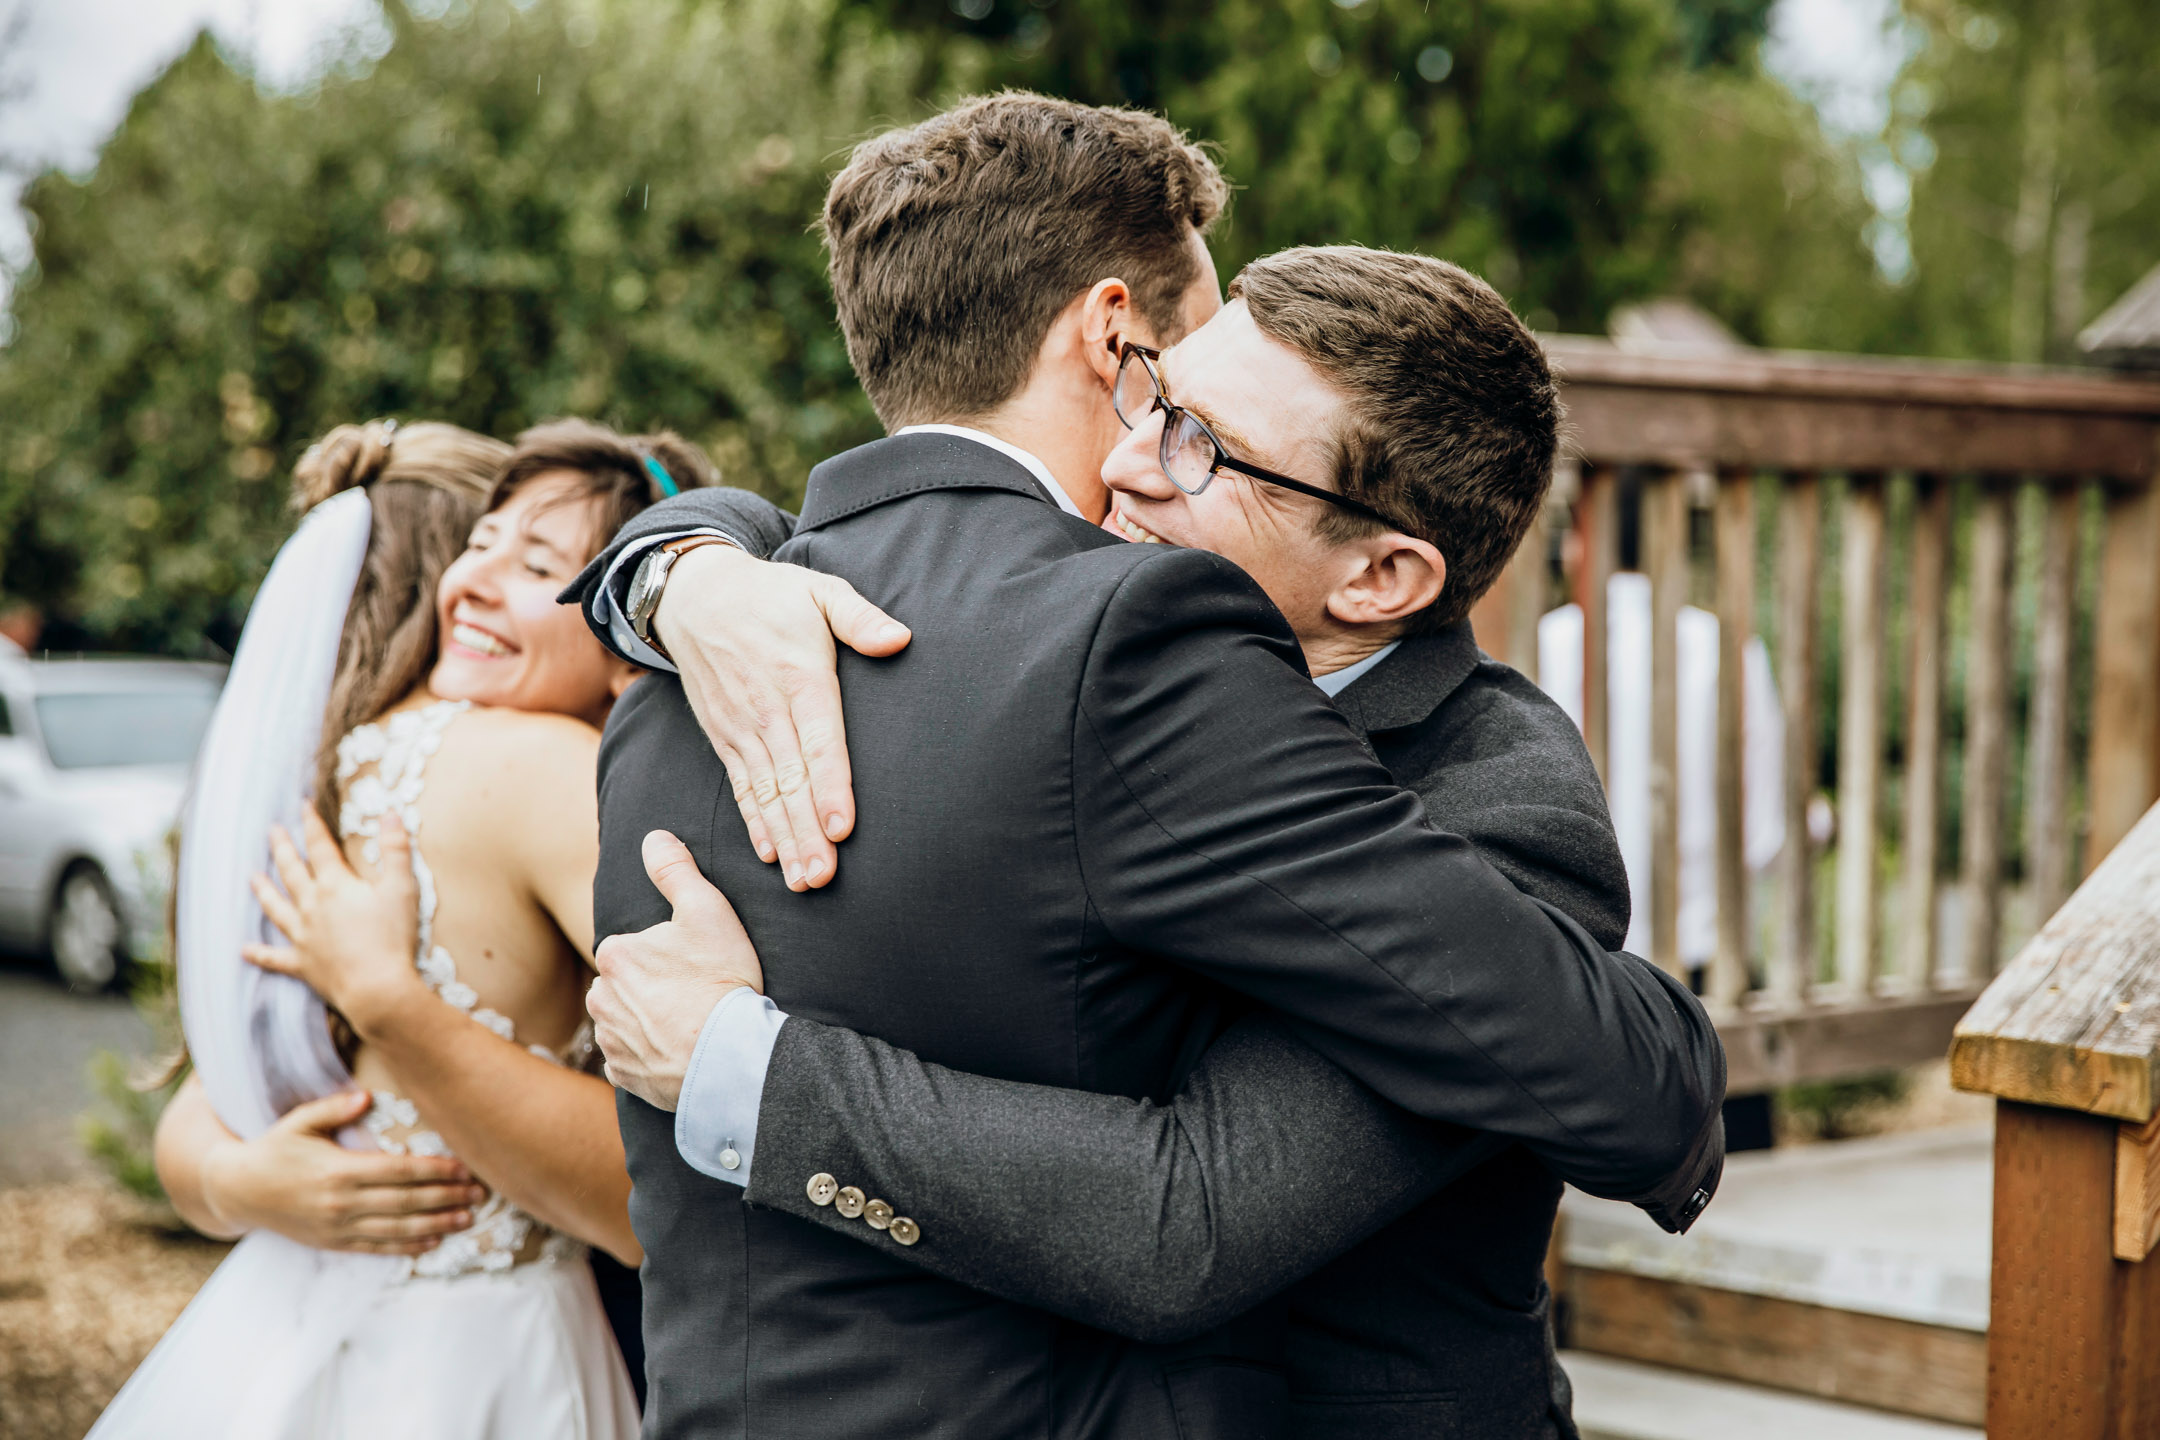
(1396, 577)
(1106, 323)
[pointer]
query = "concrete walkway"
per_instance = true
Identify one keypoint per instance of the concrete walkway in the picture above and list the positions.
(47, 1037)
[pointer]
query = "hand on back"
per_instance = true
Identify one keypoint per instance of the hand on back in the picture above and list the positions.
(353, 936)
(657, 987)
(295, 1179)
(754, 641)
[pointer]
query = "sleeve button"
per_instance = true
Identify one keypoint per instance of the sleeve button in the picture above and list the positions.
(849, 1202)
(877, 1214)
(904, 1231)
(822, 1188)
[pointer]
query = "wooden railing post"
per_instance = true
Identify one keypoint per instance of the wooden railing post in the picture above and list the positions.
(1923, 727)
(1860, 733)
(2067, 1038)
(2047, 810)
(1736, 622)
(1987, 729)
(1792, 968)
(2126, 668)
(1598, 516)
(1665, 557)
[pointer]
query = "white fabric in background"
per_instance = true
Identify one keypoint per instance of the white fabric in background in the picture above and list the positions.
(1627, 749)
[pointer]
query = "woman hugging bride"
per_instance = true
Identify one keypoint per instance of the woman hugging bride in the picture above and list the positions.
(416, 1149)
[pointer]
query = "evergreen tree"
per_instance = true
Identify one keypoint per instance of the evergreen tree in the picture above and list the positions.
(511, 213)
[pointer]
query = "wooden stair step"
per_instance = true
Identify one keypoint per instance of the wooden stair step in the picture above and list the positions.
(1856, 1271)
(1625, 1400)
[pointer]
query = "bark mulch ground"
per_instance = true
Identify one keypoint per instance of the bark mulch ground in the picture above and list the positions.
(89, 1279)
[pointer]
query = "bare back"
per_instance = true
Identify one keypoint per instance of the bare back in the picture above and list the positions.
(505, 837)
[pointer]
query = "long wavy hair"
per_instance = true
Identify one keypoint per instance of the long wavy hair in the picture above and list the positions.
(429, 484)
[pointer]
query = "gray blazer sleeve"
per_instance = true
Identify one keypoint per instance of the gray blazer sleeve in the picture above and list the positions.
(1149, 1220)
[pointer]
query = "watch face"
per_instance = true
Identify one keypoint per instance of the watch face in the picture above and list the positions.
(642, 589)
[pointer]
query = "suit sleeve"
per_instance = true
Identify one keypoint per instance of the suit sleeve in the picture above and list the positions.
(749, 519)
(1155, 1221)
(1230, 821)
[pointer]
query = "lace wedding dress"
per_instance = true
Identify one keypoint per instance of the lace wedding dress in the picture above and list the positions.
(496, 1333)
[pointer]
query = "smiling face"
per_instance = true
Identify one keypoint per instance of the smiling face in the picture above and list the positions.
(1271, 408)
(503, 639)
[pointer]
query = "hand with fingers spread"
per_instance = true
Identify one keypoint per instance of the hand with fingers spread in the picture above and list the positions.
(657, 987)
(353, 937)
(297, 1180)
(755, 644)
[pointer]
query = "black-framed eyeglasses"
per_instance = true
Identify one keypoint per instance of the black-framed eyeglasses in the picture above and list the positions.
(1189, 452)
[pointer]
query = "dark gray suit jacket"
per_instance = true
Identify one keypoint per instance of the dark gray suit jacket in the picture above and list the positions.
(1089, 762)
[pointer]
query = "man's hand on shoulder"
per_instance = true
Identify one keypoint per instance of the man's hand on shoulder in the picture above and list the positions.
(656, 988)
(754, 641)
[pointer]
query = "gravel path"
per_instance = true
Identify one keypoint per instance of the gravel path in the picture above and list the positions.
(88, 1281)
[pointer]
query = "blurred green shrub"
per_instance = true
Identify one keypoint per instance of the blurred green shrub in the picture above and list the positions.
(120, 1131)
(514, 211)
(1840, 1109)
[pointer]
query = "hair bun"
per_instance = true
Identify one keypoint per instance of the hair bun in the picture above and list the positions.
(348, 457)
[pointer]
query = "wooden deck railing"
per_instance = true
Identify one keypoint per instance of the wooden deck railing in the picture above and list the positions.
(1989, 541)
(2068, 1040)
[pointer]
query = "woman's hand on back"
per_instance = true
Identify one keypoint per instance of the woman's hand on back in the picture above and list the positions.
(353, 937)
(296, 1180)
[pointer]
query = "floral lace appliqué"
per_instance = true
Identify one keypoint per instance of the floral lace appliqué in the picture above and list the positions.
(382, 767)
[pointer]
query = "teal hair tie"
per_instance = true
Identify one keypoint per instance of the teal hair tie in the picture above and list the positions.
(660, 477)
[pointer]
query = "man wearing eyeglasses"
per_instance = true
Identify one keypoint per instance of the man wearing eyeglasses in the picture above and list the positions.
(1105, 817)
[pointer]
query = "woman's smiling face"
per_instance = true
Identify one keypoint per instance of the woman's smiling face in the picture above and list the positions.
(502, 638)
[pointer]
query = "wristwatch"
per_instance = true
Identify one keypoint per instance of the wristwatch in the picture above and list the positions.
(649, 581)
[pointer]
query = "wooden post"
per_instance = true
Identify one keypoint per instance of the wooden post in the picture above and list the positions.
(1860, 716)
(2067, 1038)
(1598, 515)
(1665, 546)
(1987, 730)
(1923, 728)
(1736, 622)
(2047, 834)
(2120, 775)
(2071, 1329)
(1528, 577)
(1800, 537)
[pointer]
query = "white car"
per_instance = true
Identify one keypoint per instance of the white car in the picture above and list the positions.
(94, 757)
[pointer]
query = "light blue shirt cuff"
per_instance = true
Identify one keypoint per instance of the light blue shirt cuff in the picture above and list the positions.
(607, 605)
(717, 1114)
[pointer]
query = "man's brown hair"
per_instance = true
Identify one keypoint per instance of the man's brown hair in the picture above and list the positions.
(955, 243)
(1453, 415)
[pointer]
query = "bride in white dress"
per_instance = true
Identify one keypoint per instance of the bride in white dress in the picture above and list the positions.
(424, 1276)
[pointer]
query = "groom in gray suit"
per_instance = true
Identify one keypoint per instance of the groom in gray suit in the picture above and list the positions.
(1191, 830)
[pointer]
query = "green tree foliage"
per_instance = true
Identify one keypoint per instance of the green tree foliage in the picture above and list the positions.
(2035, 128)
(512, 212)
(1577, 153)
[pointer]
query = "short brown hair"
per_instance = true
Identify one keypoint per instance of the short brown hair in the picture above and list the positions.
(613, 468)
(955, 243)
(1453, 415)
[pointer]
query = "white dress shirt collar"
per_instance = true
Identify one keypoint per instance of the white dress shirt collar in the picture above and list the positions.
(1012, 452)
(1335, 682)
